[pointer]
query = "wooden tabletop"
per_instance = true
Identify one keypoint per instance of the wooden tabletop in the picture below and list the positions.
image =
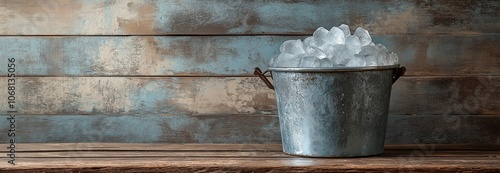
(122, 157)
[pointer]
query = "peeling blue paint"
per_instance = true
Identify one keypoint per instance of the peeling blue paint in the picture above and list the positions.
(86, 128)
(151, 96)
(147, 128)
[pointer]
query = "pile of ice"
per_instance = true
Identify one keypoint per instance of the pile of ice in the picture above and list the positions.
(334, 48)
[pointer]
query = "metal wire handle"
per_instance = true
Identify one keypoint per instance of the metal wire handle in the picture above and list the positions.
(398, 73)
(259, 73)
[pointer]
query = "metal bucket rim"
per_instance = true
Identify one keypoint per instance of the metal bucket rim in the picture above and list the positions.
(331, 69)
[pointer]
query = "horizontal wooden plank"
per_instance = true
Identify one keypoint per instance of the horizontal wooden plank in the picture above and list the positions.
(444, 147)
(146, 17)
(214, 147)
(437, 164)
(143, 150)
(445, 55)
(453, 129)
(230, 55)
(175, 147)
(401, 129)
(138, 56)
(145, 128)
(232, 95)
(244, 157)
(155, 154)
(446, 95)
(145, 95)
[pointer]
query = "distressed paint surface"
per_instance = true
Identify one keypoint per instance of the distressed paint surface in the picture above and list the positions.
(145, 128)
(232, 95)
(148, 17)
(119, 95)
(228, 55)
(430, 129)
(446, 55)
(178, 71)
(155, 128)
(136, 56)
(448, 95)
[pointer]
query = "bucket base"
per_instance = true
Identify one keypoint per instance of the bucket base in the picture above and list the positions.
(333, 156)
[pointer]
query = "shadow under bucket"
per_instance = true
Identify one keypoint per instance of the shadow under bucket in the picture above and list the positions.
(333, 112)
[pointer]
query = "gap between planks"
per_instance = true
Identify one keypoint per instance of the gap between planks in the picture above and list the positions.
(230, 76)
(305, 34)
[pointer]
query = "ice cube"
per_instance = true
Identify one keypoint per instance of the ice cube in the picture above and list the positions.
(353, 44)
(329, 50)
(335, 36)
(383, 55)
(319, 35)
(363, 35)
(320, 32)
(325, 62)
(357, 61)
(381, 47)
(345, 29)
(372, 55)
(286, 60)
(310, 61)
(371, 60)
(341, 55)
(393, 59)
(316, 52)
(271, 62)
(369, 50)
(309, 41)
(300, 56)
(292, 47)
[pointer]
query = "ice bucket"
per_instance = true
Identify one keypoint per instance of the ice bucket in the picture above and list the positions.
(333, 112)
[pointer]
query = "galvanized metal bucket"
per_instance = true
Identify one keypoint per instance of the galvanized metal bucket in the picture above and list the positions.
(333, 112)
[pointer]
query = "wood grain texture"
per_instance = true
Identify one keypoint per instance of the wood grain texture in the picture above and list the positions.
(147, 17)
(448, 129)
(144, 95)
(465, 95)
(229, 55)
(131, 150)
(252, 147)
(245, 158)
(139, 55)
(445, 55)
(155, 128)
(446, 95)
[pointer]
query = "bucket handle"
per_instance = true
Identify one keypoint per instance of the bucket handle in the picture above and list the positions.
(400, 71)
(259, 73)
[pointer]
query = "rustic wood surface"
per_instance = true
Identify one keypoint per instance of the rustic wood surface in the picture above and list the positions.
(257, 128)
(196, 17)
(228, 55)
(113, 157)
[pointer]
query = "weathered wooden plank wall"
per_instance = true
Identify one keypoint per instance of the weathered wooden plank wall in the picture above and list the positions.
(424, 55)
(198, 17)
(234, 95)
(181, 71)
